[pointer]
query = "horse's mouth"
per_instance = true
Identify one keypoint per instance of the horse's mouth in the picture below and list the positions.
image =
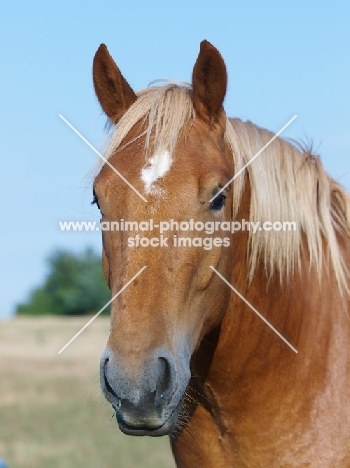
(154, 423)
(154, 431)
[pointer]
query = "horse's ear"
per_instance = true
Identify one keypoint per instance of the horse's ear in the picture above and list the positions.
(112, 89)
(209, 81)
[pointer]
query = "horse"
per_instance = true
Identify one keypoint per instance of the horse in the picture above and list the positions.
(187, 356)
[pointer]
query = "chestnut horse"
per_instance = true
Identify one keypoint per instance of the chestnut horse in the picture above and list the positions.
(186, 356)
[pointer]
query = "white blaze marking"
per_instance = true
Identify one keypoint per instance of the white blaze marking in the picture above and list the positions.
(157, 166)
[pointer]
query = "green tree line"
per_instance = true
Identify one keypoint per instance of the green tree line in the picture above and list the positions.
(75, 285)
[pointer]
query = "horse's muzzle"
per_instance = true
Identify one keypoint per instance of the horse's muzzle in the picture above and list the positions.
(146, 400)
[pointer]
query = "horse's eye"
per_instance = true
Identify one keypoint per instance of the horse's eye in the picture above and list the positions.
(95, 201)
(218, 203)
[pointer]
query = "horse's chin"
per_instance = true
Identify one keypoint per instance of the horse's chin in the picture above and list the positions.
(153, 431)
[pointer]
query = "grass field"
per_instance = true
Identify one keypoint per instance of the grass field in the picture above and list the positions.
(52, 413)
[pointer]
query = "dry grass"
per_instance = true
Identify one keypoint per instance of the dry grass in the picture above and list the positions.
(52, 413)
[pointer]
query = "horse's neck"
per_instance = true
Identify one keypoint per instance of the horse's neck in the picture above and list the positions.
(255, 378)
(301, 308)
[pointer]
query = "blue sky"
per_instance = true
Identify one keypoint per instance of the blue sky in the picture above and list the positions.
(282, 59)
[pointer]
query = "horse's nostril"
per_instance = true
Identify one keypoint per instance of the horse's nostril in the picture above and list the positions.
(164, 377)
(107, 384)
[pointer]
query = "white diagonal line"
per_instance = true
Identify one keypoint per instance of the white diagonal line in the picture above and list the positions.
(254, 310)
(102, 157)
(103, 308)
(252, 159)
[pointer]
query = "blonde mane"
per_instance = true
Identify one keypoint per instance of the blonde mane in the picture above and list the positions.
(287, 183)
